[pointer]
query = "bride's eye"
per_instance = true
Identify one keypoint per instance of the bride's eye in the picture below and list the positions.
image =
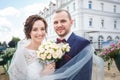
(42, 28)
(34, 29)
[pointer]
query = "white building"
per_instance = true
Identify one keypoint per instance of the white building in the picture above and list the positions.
(96, 20)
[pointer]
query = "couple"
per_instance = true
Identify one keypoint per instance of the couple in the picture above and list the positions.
(74, 65)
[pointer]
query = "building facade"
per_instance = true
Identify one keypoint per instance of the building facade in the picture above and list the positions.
(96, 20)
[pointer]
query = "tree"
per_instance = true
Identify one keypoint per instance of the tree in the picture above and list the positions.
(0, 43)
(13, 42)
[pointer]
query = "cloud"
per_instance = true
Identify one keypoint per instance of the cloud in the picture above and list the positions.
(5, 30)
(12, 19)
(9, 11)
(25, 12)
(6, 37)
(32, 9)
(5, 22)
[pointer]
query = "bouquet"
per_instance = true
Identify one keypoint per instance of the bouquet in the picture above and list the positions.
(110, 53)
(51, 51)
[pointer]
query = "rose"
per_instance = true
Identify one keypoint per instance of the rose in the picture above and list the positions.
(49, 51)
(110, 53)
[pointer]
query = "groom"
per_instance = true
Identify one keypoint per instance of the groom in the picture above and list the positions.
(62, 26)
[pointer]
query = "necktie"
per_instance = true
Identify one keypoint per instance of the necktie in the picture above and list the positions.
(61, 41)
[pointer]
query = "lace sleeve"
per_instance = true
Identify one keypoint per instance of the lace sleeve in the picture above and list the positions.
(18, 67)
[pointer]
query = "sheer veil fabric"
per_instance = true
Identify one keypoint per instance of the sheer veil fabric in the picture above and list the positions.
(71, 69)
(24, 64)
(98, 68)
(17, 69)
(66, 72)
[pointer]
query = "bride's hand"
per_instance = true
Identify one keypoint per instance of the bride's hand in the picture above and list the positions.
(48, 69)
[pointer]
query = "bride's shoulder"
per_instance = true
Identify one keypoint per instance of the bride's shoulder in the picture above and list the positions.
(23, 43)
(21, 50)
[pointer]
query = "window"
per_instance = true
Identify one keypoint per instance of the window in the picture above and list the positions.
(115, 24)
(68, 8)
(114, 9)
(74, 8)
(102, 6)
(74, 23)
(61, 2)
(90, 21)
(100, 40)
(109, 38)
(90, 4)
(91, 39)
(117, 38)
(102, 23)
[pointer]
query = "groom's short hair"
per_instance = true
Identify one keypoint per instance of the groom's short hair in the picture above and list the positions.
(62, 10)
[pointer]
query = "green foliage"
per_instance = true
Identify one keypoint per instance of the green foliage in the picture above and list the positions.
(16, 39)
(8, 53)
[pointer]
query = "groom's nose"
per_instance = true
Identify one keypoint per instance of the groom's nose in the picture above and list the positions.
(59, 24)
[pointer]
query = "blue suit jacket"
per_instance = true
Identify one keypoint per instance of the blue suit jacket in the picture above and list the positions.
(77, 43)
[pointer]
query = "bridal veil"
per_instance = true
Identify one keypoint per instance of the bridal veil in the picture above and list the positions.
(70, 71)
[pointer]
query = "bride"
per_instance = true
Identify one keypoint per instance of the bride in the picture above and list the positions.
(25, 64)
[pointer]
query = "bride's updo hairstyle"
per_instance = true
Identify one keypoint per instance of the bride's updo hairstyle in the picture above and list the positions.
(29, 23)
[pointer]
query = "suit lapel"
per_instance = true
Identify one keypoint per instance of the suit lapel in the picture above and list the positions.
(71, 39)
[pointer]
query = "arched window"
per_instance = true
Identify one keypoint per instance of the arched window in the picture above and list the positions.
(91, 39)
(100, 40)
(109, 38)
(117, 38)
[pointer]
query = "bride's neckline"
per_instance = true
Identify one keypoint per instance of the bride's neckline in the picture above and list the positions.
(30, 49)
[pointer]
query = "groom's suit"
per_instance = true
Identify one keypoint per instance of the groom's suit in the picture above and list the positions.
(77, 44)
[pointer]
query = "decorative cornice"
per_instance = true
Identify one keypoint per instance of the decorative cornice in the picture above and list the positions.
(111, 1)
(102, 13)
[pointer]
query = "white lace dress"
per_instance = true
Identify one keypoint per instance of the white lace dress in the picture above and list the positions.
(25, 65)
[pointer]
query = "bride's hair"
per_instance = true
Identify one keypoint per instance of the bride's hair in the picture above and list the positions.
(29, 23)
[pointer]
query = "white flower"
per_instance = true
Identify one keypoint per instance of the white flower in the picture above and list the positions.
(60, 53)
(67, 47)
(41, 50)
(55, 55)
(42, 56)
(48, 51)
(49, 56)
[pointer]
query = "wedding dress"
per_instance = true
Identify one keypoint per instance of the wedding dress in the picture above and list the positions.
(34, 66)
(25, 65)
(31, 67)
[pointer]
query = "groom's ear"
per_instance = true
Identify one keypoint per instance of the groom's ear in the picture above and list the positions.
(71, 21)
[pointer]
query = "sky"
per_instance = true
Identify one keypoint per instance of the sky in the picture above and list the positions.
(13, 14)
